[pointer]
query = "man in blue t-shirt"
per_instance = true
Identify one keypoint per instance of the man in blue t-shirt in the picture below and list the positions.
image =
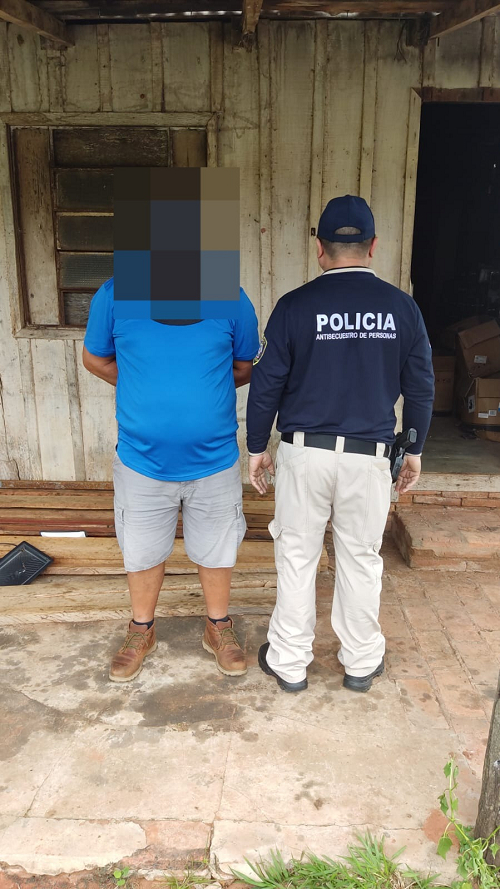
(177, 449)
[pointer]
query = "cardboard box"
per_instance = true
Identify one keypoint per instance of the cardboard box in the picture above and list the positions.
(488, 435)
(479, 349)
(481, 405)
(448, 336)
(444, 373)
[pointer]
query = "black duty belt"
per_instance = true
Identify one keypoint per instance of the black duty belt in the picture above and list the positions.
(329, 443)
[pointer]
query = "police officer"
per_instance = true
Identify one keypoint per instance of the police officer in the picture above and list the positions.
(336, 355)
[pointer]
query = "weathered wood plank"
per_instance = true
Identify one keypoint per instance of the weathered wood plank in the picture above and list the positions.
(489, 49)
(104, 63)
(89, 555)
(394, 81)
(265, 272)
(458, 57)
(131, 68)
(216, 31)
(249, 493)
(34, 519)
(429, 63)
(24, 59)
(33, 18)
(251, 12)
(103, 597)
(19, 608)
(5, 98)
(30, 408)
(55, 75)
(11, 402)
(119, 119)
(81, 71)
(344, 109)
(97, 405)
(410, 190)
(109, 10)
(186, 60)
(53, 409)
(88, 498)
(23, 609)
(36, 222)
(75, 407)
(368, 113)
(459, 94)
(317, 146)
(239, 147)
(292, 73)
(157, 76)
(46, 586)
(463, 13)
(189, 147)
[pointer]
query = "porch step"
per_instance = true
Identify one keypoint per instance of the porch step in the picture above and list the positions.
(448, 538)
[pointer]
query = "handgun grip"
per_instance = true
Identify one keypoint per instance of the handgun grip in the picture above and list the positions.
(406, 438)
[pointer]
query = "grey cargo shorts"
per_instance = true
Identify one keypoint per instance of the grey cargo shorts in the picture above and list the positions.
(147, 510)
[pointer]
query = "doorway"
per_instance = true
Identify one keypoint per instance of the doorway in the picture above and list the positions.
(456, 254)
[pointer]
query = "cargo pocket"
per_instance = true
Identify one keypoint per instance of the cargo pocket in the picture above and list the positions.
(291, 487)
(120, 526)
(275, 531)
(241, 523)
(378, 501)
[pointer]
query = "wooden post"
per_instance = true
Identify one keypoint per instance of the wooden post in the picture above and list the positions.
(489, 803)
(250, 17)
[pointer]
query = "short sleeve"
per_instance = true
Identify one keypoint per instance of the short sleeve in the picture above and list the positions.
(99, 334)
(246, 331)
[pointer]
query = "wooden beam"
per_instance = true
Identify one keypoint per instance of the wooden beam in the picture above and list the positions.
(170, 10)
(467, 94)
(461, 14)
(26, 15)
(250, 16)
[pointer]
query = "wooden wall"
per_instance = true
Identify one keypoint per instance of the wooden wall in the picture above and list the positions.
(316, 110)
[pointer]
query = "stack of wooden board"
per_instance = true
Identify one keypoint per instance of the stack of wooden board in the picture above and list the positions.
(70, 506)
(87, 581)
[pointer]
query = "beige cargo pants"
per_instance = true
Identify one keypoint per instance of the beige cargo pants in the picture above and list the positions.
(354, 490)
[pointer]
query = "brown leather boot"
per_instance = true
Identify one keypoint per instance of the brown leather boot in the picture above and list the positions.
(128, 660)
(220, 640)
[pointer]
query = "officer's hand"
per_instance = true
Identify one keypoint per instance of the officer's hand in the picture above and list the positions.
(257, 471)
(409, 475)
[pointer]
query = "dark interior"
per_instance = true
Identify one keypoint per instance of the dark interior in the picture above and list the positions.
(456, 250)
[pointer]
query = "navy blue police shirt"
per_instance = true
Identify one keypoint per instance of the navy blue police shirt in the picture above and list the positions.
(336, 355)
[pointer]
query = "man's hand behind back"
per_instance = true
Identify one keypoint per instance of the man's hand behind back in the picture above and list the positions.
(409, 475)
(257, 470)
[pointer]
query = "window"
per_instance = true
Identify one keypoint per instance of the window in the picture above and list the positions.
(63, 197)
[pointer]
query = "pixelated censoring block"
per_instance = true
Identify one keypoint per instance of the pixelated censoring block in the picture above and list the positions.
(176, 243)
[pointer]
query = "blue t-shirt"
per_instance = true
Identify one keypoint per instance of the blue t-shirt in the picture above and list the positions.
(175, 396)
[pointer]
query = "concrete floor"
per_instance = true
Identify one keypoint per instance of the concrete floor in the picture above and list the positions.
(185, 763)
(448, 449)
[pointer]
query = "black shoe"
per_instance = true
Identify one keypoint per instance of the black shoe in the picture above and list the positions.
(286, 686)
(363, 683)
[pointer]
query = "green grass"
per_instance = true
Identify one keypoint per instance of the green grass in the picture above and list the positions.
(367, 866)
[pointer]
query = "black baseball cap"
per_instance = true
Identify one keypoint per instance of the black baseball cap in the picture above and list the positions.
(347, 211)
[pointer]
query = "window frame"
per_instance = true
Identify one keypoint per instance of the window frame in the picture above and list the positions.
(10, 236)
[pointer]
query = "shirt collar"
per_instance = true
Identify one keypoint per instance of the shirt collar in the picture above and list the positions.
(360, 268)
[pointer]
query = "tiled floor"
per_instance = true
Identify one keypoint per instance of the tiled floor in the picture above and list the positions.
(185, 762)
